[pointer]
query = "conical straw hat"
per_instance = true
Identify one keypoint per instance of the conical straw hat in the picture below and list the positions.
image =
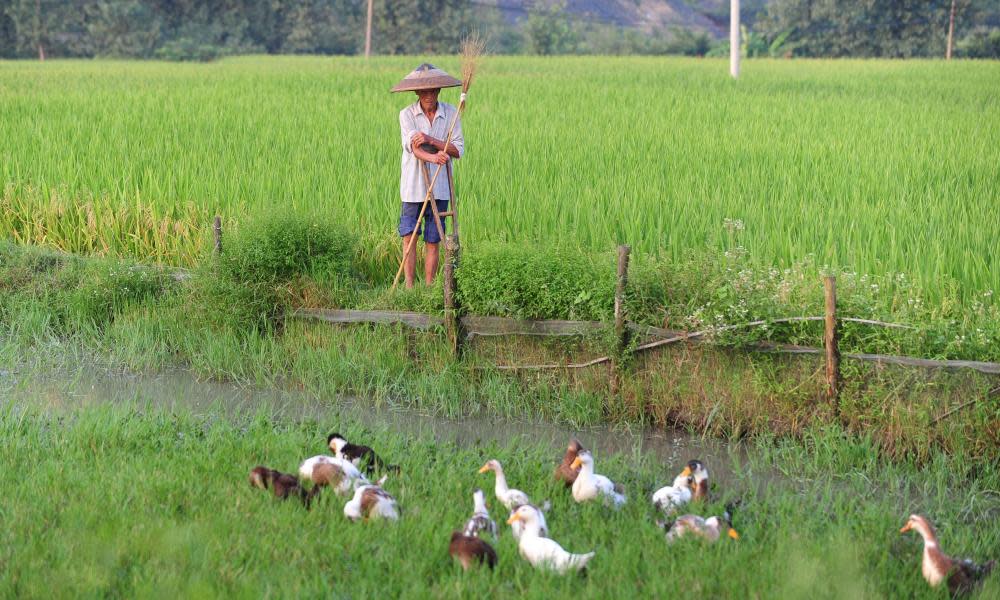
(426, 77)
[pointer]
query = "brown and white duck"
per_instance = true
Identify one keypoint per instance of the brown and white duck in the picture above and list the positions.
(281, 484)
(710, 529)
(565, 472)
(480, 520)
(360, 456)
(469, 551)
(339, 475)
(961, 575)
(690, 484)
(371, 502)
(699, 473)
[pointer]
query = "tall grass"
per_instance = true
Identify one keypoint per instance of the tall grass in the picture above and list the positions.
(873, 166)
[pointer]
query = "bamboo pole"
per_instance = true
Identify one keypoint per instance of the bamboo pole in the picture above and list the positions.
(433, 203)
(451, 307)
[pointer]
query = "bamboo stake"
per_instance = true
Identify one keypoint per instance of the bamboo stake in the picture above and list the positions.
(433, 204)
(454, 203)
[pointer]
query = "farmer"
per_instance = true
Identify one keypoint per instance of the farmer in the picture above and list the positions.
(424, 127)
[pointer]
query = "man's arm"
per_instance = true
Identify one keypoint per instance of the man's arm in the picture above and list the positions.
(437, 158)
(407, 129)
(422, 138)
(455, 149)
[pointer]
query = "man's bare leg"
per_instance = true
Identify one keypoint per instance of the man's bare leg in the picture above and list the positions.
(409, 262)
(430, 262)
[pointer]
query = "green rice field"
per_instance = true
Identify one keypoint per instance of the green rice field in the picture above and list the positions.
(873, 166)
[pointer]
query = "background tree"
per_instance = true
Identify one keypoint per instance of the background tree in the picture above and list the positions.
(876, 28)
(549, 30)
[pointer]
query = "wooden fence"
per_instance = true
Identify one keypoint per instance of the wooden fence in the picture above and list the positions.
(462, 328)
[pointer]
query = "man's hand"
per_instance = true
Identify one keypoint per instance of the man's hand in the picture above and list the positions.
(419, 139)
(441, 158)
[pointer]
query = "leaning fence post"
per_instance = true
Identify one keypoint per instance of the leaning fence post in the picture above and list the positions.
(451, 306)
(621, 327)
(217, 230)
(830, 340)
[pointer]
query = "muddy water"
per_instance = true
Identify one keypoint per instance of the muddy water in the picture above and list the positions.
(63, 390)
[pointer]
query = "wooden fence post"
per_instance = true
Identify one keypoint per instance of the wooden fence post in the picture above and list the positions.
(217, 230)
(452, 251)
(621, 331)
(831, 339)
(621, 327)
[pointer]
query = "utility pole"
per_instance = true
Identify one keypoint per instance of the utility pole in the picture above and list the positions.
(368, 31)
(734, 38)
(38, 30)
(951, 30)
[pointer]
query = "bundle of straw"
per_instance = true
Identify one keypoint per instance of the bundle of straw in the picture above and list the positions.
(473, 48)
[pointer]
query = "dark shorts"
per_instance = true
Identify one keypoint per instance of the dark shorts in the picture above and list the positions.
(408, 220)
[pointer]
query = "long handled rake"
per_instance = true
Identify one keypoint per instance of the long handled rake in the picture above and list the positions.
(472, 49)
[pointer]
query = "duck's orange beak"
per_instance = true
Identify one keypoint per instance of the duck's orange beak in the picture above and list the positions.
(686, 472)
(484, 468)
(906, 527)
(513, 517)
(733, 534)
(576, 463)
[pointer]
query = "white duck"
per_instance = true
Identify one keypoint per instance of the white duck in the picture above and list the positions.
(371, 502)
(671, 497)
(342, 478)
(480, 520)
(541, 552)
(510, 498)
(589, 485)
(517, 527)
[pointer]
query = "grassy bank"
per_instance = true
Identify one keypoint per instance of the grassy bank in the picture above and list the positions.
(228, 321)
(870, 166)
(177, 517)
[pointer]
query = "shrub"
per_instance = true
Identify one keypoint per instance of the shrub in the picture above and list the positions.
(107, 289)
(524, 282)
(249, 286)
(282, 246)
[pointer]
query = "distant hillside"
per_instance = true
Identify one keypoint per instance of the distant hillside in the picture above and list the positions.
(709, 16)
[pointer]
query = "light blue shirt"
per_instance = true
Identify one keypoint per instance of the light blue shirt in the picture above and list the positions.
(412, 119)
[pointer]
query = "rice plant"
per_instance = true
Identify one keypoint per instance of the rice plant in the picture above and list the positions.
(872, 166)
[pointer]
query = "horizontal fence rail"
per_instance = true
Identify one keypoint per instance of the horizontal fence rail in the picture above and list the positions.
(501, 326)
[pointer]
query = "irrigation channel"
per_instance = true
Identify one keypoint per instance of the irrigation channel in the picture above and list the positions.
(64, 390)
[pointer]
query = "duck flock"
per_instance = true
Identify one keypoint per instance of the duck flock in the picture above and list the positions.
(347, 471)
